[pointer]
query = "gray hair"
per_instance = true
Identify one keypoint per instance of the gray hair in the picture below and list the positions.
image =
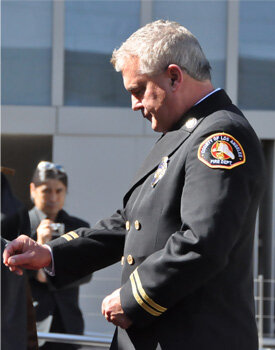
(161, 43)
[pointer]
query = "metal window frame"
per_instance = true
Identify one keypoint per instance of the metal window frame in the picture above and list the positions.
(58, 33)
(272, 324)
(232, 49)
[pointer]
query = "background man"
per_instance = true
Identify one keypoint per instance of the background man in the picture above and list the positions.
(186, 227)
(57, 309)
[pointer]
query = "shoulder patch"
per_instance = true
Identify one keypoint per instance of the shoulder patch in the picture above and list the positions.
(221, 150)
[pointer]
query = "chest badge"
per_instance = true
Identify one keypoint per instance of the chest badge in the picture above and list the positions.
(160, 171)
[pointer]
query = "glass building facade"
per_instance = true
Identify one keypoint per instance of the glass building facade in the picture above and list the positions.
(92, 29)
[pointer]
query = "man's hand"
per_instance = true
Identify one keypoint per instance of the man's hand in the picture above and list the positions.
(111, 309)
(44, 231)
(24, 252)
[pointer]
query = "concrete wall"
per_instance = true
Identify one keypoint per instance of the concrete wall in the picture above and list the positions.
(101, 153)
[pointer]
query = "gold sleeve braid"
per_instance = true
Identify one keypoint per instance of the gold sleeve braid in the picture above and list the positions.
(70, 236)
(142, 298)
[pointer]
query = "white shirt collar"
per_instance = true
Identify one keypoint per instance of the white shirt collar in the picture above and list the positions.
(212, 92)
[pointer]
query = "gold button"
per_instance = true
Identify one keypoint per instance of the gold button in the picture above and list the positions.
(127, 225)
(122, 260)
(137, 225)
(130, 259)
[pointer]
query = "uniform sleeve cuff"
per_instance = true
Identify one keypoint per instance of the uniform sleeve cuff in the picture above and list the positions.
(141, 309)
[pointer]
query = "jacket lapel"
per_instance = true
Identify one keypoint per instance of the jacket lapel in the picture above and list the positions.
(165, 146)
(34, 219)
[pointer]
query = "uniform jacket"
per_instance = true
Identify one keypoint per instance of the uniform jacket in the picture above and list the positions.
(45, 295)
(186, 234)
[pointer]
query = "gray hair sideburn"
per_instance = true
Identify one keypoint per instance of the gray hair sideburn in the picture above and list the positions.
(161, 43)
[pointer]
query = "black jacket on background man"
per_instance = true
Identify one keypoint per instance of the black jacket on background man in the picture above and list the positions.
(48, 299)
(186, 236)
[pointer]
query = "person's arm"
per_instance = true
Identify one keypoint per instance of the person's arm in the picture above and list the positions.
(72, 223)
(76, 253)
(85, 250)
(44, 234)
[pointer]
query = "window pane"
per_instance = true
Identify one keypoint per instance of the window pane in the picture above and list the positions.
(207, 21)
(26, 52)
(257, 55)
(93, 30)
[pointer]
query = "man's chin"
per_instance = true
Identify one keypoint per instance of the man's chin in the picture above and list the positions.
(156, 127)
(51, 212)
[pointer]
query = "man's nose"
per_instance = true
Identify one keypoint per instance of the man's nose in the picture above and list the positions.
(136, 104)
(53, 197)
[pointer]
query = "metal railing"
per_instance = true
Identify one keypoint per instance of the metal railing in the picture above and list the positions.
(102, 341)
(265, 309)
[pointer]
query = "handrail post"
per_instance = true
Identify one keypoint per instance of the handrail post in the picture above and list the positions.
(261, 310)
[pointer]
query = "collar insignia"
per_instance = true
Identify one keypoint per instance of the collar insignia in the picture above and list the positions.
(160, 171)
(191, 123)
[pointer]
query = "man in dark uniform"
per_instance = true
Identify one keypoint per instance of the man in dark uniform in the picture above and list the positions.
(185, 232)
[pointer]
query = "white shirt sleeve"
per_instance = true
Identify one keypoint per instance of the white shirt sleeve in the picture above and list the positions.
(50, 269)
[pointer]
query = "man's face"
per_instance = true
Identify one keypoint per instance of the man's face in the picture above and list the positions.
(49, 197)
(151, 95)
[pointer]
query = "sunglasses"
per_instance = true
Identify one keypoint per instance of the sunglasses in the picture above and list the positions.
(50, 166)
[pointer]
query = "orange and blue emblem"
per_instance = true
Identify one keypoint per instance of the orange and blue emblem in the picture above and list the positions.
(221, 150)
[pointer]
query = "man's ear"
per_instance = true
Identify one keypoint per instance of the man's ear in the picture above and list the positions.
(32, 190)
(176, 75)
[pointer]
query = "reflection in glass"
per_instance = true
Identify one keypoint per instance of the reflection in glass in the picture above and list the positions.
(257, 55)
(26, 52)
(93, 30)
(207, 21)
